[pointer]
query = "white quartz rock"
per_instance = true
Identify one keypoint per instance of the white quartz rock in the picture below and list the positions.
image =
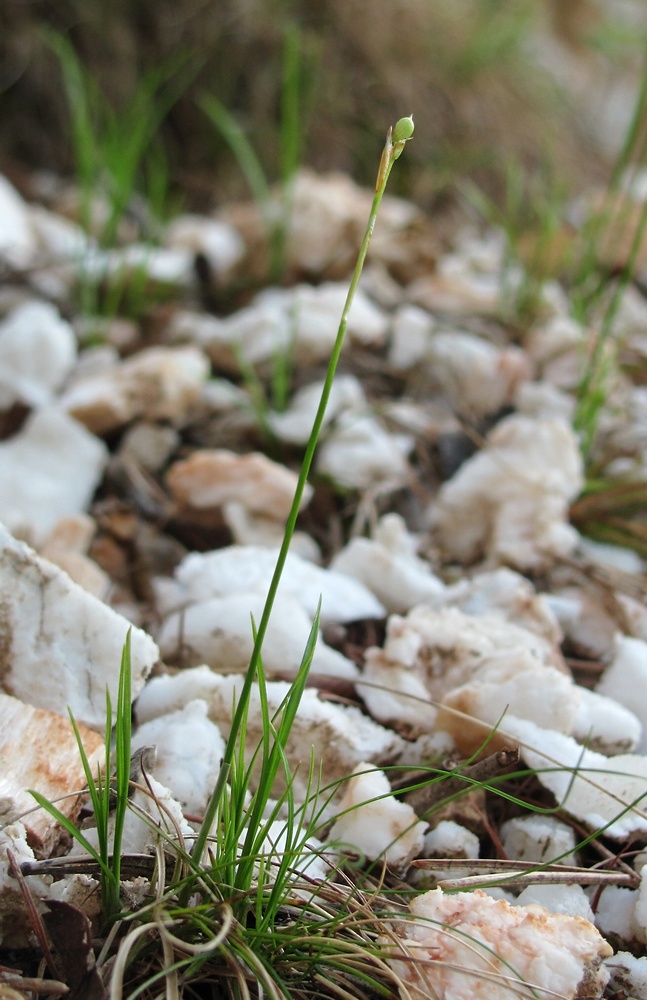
(158, 383)
(614, 915)
(359, 453)
(303, 320)
(16, 930)
(388, 565)
(470, 945)
(374, 823)
(165, 265)
(48, 619)
(189, 752)
(568, 899)
(430, 653)
(605, 725)
(48, 470)
(510, 501)
(474, 376)
(341, 736)
(640, 909)
(628, 974)
(213, 477)
(544, 839)
(625, 681)
(604, 792)
(249, 569)
(295, 424)
(217, 241)
(451, 840)
(17, 243)
(219, 632)
(37, 353)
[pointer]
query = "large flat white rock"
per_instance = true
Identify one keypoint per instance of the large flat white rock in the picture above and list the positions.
(60, 647)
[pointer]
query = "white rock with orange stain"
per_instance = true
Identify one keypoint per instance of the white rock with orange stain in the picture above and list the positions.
(509, 503)
(212, 478)
(37, 353)
(48, 470)
(159, 383)
(469, 946)
(61, 646)
(388, 565)
(374, 823)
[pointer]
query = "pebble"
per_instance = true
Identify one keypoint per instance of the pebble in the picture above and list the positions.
(37, 353)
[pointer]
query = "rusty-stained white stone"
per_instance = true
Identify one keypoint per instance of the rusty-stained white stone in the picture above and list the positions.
(470, 945)
(374, 823)
(211, 478)
(509, 502)
(48, 470)
(217, 241)
(61, 647)
(248, 570)
(341, 736)
(388, 565)
(37, 353)
(17, 243)
(157, 384)
(219, 631)
(38, 750)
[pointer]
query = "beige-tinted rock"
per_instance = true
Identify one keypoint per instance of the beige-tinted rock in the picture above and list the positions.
(156, 384)
(67, 547)
(37, 352)
(48, 470)
(469, 945)
(149, 445)
(509, 502)
(374, 823)
(211, 478)
(46, 619)
(38, 750)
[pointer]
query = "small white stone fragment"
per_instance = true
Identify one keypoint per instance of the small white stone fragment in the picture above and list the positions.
(605, 725)
(295, 424)
(544, 839)
(211, 478)
(165, 265)
(158, 383)
(149, 445)
(217, 241)
(359, 453)
(249, 569)
(614, 915)
(48, 470)
(510, 501)
(220, 632)
(451, 840)
(606, 793)
(17, 243)
(640, 909)
(376, 824)
(625, 681)
(472, 946)
(628, 974)
(48, 619)
(388, 565)
(16, 930)
(37, 353)
(189, 753)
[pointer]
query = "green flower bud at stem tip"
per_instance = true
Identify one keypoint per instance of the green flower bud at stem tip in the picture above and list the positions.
(403, 130)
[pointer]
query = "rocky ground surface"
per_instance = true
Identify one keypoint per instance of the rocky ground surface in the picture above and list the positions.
(155, 402)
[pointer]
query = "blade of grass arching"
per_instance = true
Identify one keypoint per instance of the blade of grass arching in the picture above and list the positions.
(72, 829)
(395, 143)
